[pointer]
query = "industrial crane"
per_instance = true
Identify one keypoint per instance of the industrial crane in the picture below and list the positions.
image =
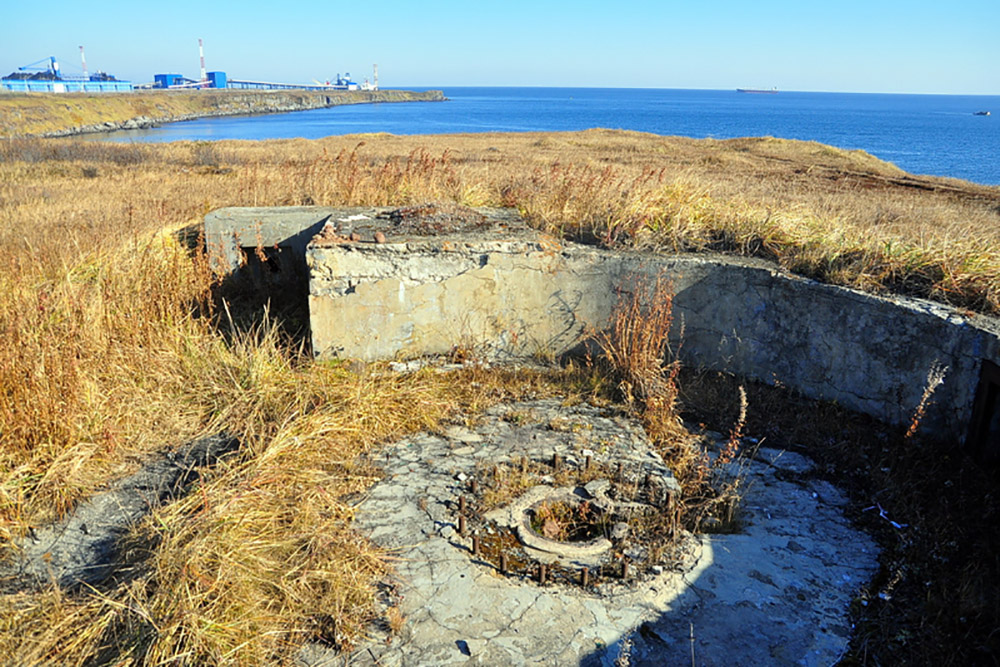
(49, 71)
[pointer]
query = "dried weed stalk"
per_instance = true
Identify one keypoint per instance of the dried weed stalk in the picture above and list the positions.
(935, 378)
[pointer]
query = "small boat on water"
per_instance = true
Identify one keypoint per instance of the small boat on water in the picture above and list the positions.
(759, 91)
(981, 113)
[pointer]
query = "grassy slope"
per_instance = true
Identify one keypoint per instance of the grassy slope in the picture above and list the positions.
(38, 113)
(114, 343)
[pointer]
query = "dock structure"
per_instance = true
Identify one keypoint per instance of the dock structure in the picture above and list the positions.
(271, 85)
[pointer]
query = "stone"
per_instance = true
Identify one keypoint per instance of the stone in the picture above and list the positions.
(619, 531)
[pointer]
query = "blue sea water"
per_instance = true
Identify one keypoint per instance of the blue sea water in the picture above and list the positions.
(923, 134)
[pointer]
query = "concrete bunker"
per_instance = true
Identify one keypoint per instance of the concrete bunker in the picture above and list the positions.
(388, 283)
(400, 283)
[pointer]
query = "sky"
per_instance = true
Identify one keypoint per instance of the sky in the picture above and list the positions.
(873, 46)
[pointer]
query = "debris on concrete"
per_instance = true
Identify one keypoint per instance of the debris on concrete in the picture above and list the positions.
(777, 592)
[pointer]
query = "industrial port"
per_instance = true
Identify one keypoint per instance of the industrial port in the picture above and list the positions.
(46, 76)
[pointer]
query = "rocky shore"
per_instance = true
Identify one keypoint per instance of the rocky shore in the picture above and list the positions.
(60, 115)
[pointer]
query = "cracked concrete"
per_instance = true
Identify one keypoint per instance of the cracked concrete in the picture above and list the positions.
(777, 592)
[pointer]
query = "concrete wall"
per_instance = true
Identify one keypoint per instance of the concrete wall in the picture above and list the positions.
(508, 291)
(231, 232)
(868, 353)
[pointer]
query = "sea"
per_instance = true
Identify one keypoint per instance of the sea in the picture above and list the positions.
(938, 135)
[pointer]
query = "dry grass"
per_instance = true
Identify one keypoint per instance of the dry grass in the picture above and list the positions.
(260, 556)
(636, 350)
(115, 345)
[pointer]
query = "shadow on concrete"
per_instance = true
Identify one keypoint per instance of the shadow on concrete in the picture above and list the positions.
(271, 289)
(776, 593)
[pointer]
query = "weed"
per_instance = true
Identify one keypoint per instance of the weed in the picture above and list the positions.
(935, 378)
(396, 620)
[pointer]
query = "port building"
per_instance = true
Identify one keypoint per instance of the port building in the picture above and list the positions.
(45, 76)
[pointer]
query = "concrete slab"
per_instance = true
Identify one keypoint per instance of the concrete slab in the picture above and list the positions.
(777, 592)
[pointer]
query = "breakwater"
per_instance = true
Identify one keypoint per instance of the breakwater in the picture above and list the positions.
(61, 115)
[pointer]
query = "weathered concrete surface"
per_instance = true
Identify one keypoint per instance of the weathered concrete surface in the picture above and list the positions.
(494, 286)
(776, 593)
(506, 291)
(232, 233)
(81, 549)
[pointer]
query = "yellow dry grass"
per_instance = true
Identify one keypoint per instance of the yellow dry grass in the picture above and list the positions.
(113, 345)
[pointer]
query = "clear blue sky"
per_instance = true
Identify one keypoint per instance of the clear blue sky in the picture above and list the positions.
(913, 46)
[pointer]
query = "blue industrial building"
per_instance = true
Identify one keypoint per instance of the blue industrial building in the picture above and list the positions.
(48, 79)
(66, 86)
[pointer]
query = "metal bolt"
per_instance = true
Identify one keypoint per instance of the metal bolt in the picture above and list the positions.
(586, 462)
(624, 569)
(621, 466)
(503, 563)
(461, 504)
(556, 461)
(541, 573)
(461, 524)
(584, 577)
(473, 486)
(475, 545)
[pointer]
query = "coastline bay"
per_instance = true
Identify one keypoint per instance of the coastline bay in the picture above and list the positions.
(923, 134)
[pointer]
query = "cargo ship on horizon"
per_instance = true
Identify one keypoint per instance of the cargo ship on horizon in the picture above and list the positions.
(759, 91)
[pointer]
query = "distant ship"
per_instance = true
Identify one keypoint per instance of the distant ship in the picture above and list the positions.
(759, 91)
(981, 113)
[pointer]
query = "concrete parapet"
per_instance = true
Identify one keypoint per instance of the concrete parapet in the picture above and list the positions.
(424, 281)
(232, 233)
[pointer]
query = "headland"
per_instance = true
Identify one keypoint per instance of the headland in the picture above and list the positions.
(62, 114)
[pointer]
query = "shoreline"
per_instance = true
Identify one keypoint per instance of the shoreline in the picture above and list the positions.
(52, 115)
